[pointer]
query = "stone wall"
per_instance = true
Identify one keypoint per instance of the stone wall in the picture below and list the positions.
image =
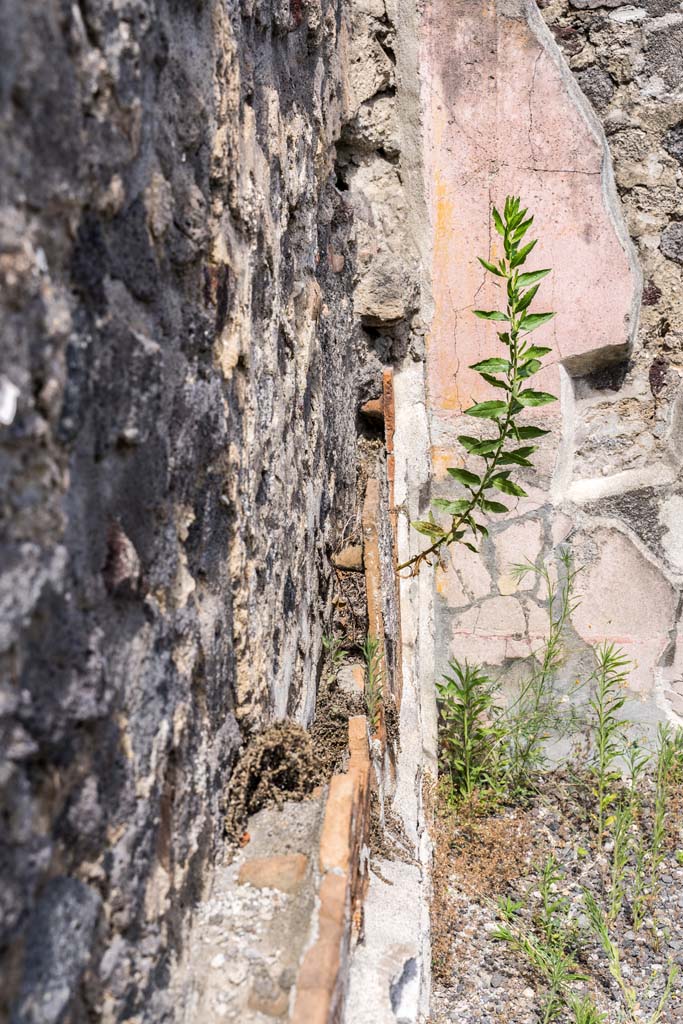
(628, 60)
(181, 370)
(505, 115)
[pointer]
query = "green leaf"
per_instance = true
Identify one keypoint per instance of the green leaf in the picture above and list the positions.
(533, 398)
(494, 382)
(468, 442)
(498, 222)
(463, 476)
(502, 483)
(524, 452)
(516, 217)
(510, 459)
(493, 506)
(491, 267)
(524, 280)
(529, 368)
(536, 352)
(494, 365)
(522, 229)
(452, 508)
(522, 254)
(487, 410)
(526, 299)
(471, 546)
(428, 529)
(481, 529)
(491, 314)
(484, 447)
(534, 320)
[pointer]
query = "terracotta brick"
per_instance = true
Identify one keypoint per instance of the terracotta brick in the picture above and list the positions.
(320, 966)
(374, 409)
(333, 906)
(349, 558)
(276, 1006)
(285, 872)
(335, 848)
(373, 582)
(312, 1006)
(358, 740)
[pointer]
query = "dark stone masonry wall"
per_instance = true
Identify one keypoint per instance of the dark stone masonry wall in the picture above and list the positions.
(176, 265)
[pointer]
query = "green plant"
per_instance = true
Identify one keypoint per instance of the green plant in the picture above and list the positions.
(585, 1011)
(665, 759)
(600, 927)
(547, 949)
(609, 676)
(677, 766)
(553, 913)
(508, 908)
(671, 978)
(334, 651)
(623, 820)
(555, 966)
(639, 892)
(507, 447)
(488, 747)
(538, 710)
(373, 680)
(637, 760)
(470, 737)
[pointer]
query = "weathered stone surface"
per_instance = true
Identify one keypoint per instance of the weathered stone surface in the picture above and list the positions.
(179, 380)
(611, 453)
(597, 85)
(673, 142)
(672, 241)
(625, 600)
(521, 542)
(59, 936)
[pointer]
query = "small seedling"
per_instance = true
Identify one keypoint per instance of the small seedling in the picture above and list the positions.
(637, 760)
(585, 1011)
(639, 893)
(623, 820)
(556, 967)
(470, 737)
(538, 711)
(610, 676)
(665, 757)
(554, 908)
(632, 1003)
(373, 681)
(509, 908)
(334, 650)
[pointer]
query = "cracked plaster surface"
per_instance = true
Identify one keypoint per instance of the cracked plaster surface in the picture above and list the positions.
(505, 115)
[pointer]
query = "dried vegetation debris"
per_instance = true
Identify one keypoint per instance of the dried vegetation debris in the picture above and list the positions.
(330, 729)
(276, 765)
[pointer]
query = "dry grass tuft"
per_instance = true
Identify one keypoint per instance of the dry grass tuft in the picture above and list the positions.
(476, 855)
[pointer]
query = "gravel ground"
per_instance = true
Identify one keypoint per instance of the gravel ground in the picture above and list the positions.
(479, 980)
